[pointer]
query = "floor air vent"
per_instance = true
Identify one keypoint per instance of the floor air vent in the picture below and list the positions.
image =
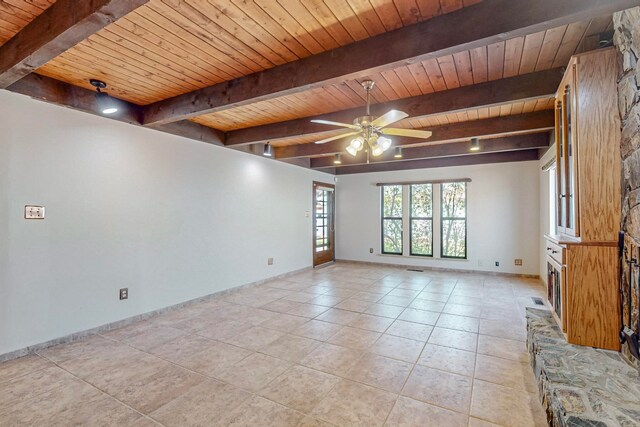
(415, 269)
(537, 300)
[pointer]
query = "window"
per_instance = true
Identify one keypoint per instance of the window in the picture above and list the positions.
(392, 219)
(426, 219)
(453, 223)
(421, 220)
(322, 220)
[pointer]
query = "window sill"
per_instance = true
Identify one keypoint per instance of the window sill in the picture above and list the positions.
(424, 257)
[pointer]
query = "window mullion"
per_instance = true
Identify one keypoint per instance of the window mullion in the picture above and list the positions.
(406, 223)
(436, 215)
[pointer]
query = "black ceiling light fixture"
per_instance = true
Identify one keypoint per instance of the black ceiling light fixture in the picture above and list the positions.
(398, 153)
(268, 151)
(475, 144)
(106, 104)
(337, 160)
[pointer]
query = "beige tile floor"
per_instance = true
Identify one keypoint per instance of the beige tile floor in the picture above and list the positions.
(346, 345)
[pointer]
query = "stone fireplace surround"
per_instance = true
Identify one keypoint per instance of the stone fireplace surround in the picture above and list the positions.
(627, 41)
(580, 386)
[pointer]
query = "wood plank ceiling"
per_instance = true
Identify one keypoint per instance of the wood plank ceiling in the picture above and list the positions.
(536, 52)
(167, 48)
(16, 14)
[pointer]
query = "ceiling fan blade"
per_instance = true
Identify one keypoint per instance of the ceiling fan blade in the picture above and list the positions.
(388, 118)
(412, 133)
(342, 135)
(330, 123)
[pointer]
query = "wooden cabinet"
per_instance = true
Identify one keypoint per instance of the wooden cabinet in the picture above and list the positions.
(582, 257)
(582, 291)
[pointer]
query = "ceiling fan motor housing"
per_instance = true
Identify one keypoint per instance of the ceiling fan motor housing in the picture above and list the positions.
(363, 121)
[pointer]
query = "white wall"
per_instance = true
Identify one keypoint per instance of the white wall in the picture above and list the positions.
(502, 215)
(167, 217)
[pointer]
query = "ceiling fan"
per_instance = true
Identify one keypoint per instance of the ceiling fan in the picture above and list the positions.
(371, 130)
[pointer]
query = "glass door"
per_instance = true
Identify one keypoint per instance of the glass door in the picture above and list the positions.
(572, 226)
(561, 217)
(323, 223)
(556, 292)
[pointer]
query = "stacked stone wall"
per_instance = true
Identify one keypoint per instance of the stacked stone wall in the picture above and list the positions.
(627, 41)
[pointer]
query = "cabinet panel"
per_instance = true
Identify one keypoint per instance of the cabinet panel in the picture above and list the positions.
(598, 136)
(592, 296)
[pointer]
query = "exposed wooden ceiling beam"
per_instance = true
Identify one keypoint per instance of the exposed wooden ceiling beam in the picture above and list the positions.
(482, 24)
(66, 95)
(191, 130)
(60, 93)
(490, 145)
(519, 88)
(441, 162)
(60, 27)
(508, 125)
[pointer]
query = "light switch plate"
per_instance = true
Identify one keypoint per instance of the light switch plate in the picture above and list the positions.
(33, 212)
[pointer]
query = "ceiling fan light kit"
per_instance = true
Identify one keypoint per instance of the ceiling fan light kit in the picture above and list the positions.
(371, 131)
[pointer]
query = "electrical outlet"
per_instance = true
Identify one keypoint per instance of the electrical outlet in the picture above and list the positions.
(269, 261)
(33, 212)
(517, 261)
(370, 250)
(124, 293)
(497, 263)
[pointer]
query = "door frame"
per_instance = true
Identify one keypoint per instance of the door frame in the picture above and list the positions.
(332, 218)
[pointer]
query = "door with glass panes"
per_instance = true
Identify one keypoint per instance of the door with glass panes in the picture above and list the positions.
(323, 223)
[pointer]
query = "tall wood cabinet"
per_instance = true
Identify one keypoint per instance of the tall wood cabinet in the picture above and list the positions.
(582, 257)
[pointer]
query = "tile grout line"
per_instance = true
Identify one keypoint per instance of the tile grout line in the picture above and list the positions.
(412, 369)
(99, 389)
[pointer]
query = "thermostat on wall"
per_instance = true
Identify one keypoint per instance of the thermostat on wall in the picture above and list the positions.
(33, 212)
